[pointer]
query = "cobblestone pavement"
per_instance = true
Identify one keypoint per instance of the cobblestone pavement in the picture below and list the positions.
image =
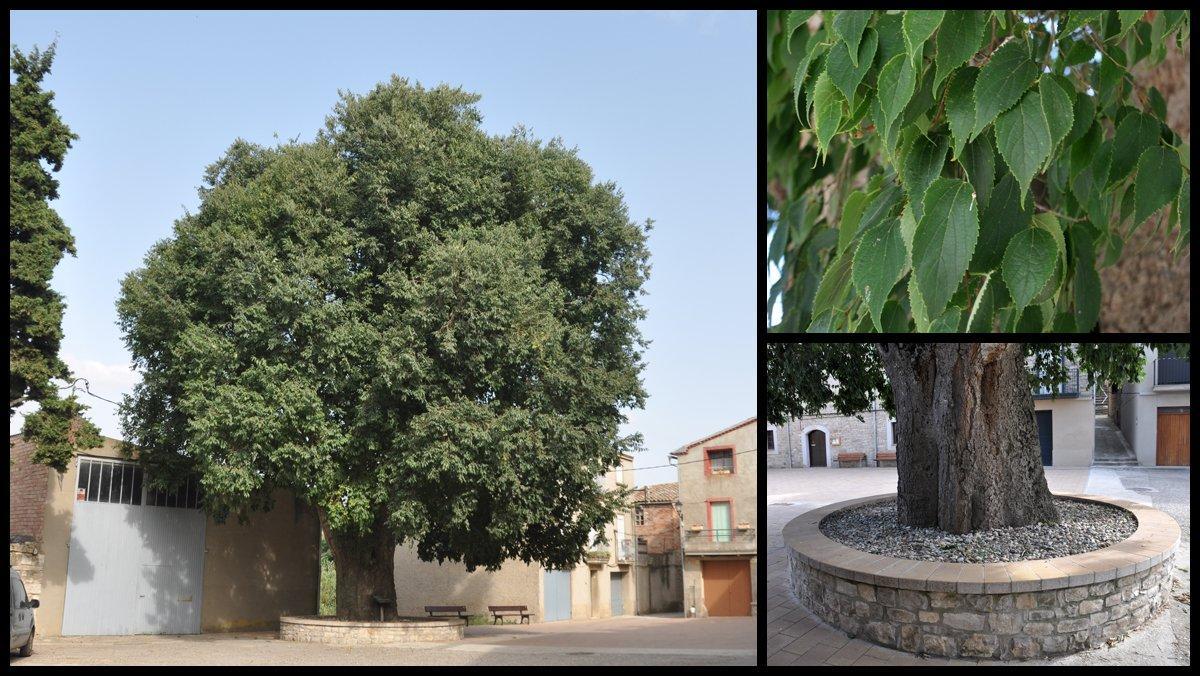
(623, 641)
(796, 637)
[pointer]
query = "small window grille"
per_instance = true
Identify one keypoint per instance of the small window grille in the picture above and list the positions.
(122, 483)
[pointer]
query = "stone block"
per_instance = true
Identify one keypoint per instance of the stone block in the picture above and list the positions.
(1039, 628)
(1069, 625)
(979, 645)
(1097, 619)
(1118, 612)
(1004, 623)
(929, 616)
(901, 615)
(980, 602)
(1026, 601)
(943, 599)
(1100, 589)
(862, 609)
(1055, 644)
(964, 621)
(881, 632)
(1036, 615)
(1071, 594)
(1127, 581)
(1089, 606)
(1112, 600)
(1140, 614)
(846, 588)
(866, 592)
(933, 644)
(912, 600)
(886, 596)
(1047, 599)
(910, 638)
(1024, 648)
(1003, 602)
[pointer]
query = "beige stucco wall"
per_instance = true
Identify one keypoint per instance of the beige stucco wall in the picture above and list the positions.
(1073, 429)
(421, 583)
(251, 571)
(257, 571)
(741, 488)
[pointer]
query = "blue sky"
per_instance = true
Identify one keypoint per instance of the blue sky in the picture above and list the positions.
(662, 103)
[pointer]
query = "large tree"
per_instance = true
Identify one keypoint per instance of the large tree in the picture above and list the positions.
(37, 241)
(967, 447)
(427, 332)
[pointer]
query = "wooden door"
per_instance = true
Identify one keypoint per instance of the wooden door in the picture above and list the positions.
(816, 449)
(726, 587)
(1174, 436)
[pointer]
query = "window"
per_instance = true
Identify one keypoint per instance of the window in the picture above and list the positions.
(720, 517)
(891, 434)
(771, 441)
(639, 516)
(719, 460)
(121, 482)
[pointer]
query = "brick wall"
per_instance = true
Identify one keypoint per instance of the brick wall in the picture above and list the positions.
(26, 492)
(660, 529)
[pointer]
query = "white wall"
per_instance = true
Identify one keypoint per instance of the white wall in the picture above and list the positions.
(1139, 411)
(1073, 429)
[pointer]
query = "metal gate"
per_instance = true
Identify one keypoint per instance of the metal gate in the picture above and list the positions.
(557, 590)
(135, 565)
(617, 582)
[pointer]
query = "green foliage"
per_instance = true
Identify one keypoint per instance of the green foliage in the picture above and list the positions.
(992, 118)
(803, 378)
(37, 241)
(406, 321)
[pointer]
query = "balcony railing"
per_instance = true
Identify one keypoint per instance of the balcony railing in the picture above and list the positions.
(1070, 388)
(720, 541)
(625, 550)
(1172, 371)
(602, 553)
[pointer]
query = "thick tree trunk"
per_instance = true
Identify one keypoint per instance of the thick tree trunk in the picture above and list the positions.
(365, 567)
(967, 449)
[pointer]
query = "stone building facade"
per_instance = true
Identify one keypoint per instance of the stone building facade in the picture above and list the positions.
(793, 445)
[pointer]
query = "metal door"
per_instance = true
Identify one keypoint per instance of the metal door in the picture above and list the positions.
(816, 449)
(617, 582)
(557, 591)
(133, 569)
(1045, 423)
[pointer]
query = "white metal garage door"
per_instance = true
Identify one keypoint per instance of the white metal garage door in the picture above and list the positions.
(557, 592)
(136, 556)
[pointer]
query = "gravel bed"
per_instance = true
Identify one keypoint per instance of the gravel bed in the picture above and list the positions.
(1085, 527)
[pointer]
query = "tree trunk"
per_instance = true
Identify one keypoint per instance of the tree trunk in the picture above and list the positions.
(967, 451)
(365, 567)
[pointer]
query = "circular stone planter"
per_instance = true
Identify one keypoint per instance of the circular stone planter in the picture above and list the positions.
(314, 629)
(1009, 611)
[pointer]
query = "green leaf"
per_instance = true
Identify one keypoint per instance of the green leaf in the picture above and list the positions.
(816, 48)
(1078, 17)
(1183, 207)
(849, 25)
(1158, 105)
(1083, 112)
(827, 111)
(835, 285)
(795, 19)
(922, 164)
(1087, 280)
(948, 321)
(1049, 223)
(944, 241)
(983, 310)
(960, 36)
(879, 263)
(894, 320)
(1002, 82)
(843, 72)
(917, 26)
(1136, 132)
(1030, 320)
(960, 107)
(1079, 52)
(917, 305)
(1003, 218)
(1023, 139)
(852, 211)
(1159, 177)
(1112, 73)
(1129, 17)
(882, 207)
(1084, 149)
(980, 164)
(908, 228)
(896, 84)
(778, 242)
(1056, 105)
(1029, 261)
(891, 38)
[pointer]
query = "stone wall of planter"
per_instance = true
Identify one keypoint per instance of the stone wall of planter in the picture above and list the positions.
(310, 629)
(999, 626)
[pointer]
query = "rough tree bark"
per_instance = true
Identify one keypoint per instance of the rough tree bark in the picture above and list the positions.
(365, 566)
(967, 449)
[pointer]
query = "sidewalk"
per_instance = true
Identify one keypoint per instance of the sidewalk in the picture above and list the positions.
(796, 637)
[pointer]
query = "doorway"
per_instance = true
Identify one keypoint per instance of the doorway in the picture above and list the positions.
(1174, 441)
(816, 449)
(1045, 423)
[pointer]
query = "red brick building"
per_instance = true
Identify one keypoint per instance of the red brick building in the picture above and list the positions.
(655, 517)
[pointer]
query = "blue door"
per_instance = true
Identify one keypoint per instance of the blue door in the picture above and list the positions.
(617, 582)
(557, 591)
(1045, 423)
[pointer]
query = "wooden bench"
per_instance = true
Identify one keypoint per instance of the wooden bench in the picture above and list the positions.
(460, 611)
(844, 458)
(885, 456)
(500, 612)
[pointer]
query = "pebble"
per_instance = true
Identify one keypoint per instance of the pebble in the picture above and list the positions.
(1084, 527)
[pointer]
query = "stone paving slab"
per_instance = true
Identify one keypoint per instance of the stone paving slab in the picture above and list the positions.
(1163, 640)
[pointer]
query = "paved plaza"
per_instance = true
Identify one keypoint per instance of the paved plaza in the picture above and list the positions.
(796, 637)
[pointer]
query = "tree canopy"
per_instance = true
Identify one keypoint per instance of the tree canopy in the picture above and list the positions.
(964, 170)
(803, 378)
(37, 240)
(405, 322)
